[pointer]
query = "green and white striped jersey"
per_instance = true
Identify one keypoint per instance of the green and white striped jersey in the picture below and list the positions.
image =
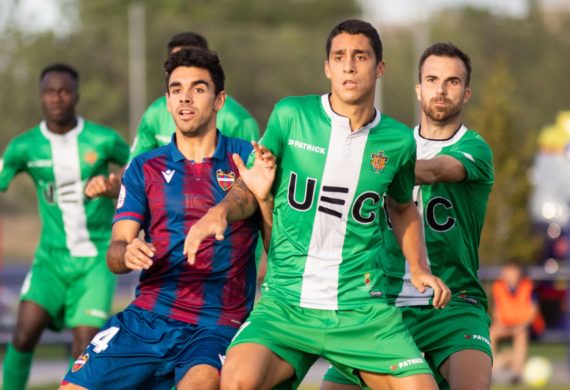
(328, 201)
(453, 215)
(60, 165)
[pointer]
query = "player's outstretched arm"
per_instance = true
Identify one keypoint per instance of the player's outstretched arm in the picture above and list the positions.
(406, 224)
(127, 252)
(440, 169)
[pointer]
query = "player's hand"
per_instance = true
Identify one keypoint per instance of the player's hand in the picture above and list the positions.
(139, 254)
(259, 178)
(441, 293)
(103, 186)
(213, 223)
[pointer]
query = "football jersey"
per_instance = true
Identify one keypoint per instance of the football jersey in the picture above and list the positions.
(157, 126)
(167, 194)
(328, 201)
(453, 215)
(60, 166)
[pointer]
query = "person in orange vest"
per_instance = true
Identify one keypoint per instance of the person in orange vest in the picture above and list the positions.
(515, 308)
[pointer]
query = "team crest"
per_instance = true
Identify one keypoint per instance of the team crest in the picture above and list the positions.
(80, 362)
(225, 179)
(91, 157)
(378, 161)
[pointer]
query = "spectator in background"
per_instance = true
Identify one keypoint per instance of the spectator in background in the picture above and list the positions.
(515, 309)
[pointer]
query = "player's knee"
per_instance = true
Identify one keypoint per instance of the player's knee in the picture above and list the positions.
(24, 340)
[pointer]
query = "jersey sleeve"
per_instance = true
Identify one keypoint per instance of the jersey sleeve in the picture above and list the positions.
(132, 203)
(11, 164)
(145, 140)
(402, 186)
(477, 159)
(119, 150)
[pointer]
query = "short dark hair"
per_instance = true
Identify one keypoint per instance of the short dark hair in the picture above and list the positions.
(353, 27)
(443, 49)
(199, 58)
(62, 68)
(187, 39)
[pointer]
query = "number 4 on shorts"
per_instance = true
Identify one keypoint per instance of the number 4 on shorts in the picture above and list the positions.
(101, 339)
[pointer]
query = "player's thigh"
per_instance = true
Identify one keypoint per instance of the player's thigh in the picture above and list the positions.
(89, 297)
(377, 381)
(200, 377)
(254, 366)
(468, 369)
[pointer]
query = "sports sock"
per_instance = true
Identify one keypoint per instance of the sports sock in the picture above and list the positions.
(17, 367)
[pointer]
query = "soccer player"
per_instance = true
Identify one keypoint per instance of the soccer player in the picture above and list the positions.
(454, 174)
(68, 285)
(184, 315)
(336, 155)
(157, 126)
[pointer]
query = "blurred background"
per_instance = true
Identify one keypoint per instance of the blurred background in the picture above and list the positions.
(520, 51)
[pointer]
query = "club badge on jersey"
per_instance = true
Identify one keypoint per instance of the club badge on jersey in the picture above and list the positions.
(378, 161)
(225, 179)
(80, 362)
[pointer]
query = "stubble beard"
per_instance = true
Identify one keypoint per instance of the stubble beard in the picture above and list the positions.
(442, 115)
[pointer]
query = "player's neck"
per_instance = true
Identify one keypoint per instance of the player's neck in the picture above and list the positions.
(359, 115)
(61, 127)
(197, 148)
(439, 130)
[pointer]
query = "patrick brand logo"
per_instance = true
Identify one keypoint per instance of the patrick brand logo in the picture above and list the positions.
(378, 161)
(406, 363)
(478, 337)
(168, 174)
(302, 145)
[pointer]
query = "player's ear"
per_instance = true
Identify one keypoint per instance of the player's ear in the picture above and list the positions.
(327, 69)
(380, 67)
(418, 92)
(220, 100)
(466, 95)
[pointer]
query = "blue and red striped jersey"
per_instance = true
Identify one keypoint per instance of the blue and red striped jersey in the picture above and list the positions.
(167, 194)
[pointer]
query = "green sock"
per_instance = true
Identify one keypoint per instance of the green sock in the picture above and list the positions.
(16, 368)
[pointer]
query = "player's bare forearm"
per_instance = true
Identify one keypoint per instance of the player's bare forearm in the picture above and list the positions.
(440, 169)
(116, 257)
(406, 224)
(266, 209)
(239, 203)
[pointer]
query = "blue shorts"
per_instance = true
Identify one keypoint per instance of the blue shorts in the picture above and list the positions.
(138, 348)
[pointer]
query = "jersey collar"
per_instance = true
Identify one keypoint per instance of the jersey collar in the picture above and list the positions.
(442, 143)
(343, 122)
(219, 153)
(62, 137)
